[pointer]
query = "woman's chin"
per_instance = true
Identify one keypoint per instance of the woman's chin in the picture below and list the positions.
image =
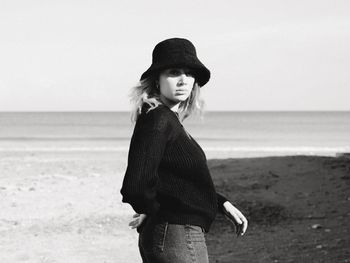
(180, 98)
(177, 99)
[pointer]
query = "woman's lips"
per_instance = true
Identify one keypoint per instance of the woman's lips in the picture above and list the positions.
(181, 91)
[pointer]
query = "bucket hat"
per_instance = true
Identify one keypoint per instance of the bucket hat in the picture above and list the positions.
(177, 52)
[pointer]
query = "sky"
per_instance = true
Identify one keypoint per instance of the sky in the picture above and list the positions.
(86, 55)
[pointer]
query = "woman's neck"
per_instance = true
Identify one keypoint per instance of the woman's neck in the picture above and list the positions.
(174, 106)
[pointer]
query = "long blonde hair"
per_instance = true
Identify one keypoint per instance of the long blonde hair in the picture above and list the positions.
(146, 92)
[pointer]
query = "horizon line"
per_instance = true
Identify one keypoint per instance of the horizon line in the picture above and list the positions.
(128, 111)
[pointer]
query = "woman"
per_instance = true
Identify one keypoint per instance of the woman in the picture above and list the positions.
(167, 181)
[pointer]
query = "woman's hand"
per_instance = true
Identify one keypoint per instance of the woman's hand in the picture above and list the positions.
(237, 219)
(137, 221)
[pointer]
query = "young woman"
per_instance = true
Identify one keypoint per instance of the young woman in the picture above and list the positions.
(167, 180)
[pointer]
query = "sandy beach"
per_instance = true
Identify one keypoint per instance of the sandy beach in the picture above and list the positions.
(66, 207)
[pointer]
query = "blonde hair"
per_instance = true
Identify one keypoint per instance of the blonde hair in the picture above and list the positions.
(146, 92)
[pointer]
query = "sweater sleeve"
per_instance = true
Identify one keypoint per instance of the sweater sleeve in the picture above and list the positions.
(221, 200)
(147, 146)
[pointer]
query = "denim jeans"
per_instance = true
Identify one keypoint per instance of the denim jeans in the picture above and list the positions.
(164, 242)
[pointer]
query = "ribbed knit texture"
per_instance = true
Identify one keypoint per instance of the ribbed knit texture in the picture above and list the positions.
(167, 176)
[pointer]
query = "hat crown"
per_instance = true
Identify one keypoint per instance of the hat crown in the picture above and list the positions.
(173, 49)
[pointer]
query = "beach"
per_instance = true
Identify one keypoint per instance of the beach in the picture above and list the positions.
(298, 209)
(61, 173)
(65, 206)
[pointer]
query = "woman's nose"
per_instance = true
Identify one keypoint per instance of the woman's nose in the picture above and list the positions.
(183, 76)
(182, 79)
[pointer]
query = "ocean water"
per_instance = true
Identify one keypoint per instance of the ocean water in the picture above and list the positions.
(221, 134)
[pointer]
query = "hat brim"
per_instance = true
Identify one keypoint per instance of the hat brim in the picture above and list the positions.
(202, 74)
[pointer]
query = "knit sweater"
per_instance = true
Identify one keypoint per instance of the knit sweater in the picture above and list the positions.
(167, 176)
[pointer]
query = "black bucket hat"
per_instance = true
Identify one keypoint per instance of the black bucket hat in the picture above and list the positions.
(177, 52)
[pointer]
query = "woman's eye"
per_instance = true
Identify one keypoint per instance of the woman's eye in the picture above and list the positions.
(190, 73)
(177, 72)
(174, 72)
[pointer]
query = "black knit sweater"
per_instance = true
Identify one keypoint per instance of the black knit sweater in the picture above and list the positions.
(167, 176)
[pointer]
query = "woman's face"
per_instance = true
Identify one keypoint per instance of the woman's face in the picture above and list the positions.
(176, 84)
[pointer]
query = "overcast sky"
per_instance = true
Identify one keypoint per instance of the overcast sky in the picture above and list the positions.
(86, 55)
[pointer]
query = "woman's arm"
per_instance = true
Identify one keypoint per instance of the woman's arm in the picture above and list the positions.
(145, 153)
(221, 200)
(236, 218)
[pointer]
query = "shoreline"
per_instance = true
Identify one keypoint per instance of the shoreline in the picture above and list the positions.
(211, 153)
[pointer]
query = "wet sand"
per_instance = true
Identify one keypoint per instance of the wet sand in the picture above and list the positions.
(298, 208)
(66, 207)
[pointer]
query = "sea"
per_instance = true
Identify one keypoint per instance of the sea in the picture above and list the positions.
(220, 134)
